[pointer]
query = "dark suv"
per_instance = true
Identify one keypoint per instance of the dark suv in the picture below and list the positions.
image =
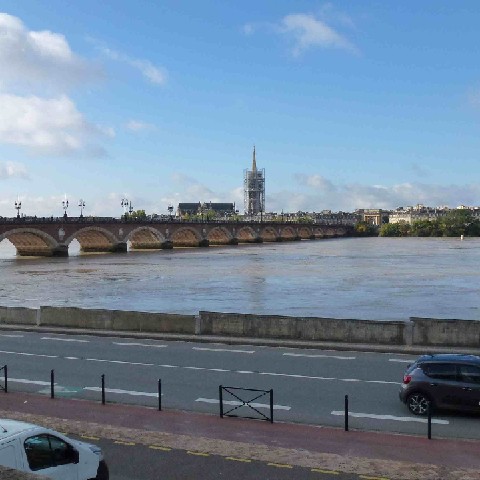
(446, 381)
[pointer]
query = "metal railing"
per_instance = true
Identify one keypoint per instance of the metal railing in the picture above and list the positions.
(240, 402)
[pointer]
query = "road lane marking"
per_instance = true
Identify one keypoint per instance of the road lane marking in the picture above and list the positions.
(237, 403)
(400, 360)
(88, 437)
(336, 357)
(123, 392)
(29, 354)
(11, 335)
(235, 459)
(158, 447)
(279, 465)
(138, 345)
(121, 442)
(222, 350)
(366, 477)
(321, 470)
(198, 454)
(389, 417)
(24, 380)
(121, 362)
(187, 367)
(65, 339)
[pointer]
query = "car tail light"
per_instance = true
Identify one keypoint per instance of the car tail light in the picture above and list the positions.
(407, 378)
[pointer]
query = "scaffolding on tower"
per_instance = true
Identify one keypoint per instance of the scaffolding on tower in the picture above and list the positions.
(254, 189)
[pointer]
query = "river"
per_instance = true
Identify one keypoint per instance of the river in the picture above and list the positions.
(366, 278)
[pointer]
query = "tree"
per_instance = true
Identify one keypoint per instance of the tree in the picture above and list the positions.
(137, 214)
(400, 229)
(456, 222)
(365, 229)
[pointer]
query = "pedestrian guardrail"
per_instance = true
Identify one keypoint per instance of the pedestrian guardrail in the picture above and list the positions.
(237, 393)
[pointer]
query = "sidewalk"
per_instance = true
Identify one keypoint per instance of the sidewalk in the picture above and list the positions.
(376, 455)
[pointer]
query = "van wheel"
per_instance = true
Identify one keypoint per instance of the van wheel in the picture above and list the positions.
(418, 403)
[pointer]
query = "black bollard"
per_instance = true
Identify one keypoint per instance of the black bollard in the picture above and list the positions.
(103, 389)
(346, 413)
(52, 383)
(429, 421)
(271, 405)
(159, 394)
(220, 396)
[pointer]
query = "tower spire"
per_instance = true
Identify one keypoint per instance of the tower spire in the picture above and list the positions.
(254, 162)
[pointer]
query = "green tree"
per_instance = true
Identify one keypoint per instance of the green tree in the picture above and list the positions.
(425, 228)
(456, 223)
(365, 229)
(392, 230)
(137, 214)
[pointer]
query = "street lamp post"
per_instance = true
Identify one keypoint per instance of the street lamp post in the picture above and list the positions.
(81, 204)
(18, 206)
(282, 215)
(65, 207)
(124, 204)
(170, 211)
(130, 208)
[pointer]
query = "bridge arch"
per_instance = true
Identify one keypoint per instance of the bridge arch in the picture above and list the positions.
(31, 242)
(270, 234)
(247, 235)
(305, 233)
(220, 236)
(146, 237)
(186, 237)
(288, 233)
(96, 239)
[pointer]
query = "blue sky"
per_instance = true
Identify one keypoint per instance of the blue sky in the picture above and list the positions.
(372, 104)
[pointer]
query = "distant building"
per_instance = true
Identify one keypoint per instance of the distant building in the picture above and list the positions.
(374, 216)
(254, 189)
(220, 209)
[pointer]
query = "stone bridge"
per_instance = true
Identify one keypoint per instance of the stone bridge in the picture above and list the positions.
(52, 236)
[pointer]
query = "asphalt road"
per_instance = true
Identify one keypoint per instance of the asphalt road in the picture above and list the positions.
(129, 461)
(309, 386)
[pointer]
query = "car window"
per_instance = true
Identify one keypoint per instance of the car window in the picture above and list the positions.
(440, 371)
(62, 451)
(470, 374)
(45, 451)
(39, 453)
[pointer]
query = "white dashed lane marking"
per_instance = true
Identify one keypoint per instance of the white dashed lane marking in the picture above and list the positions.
(390, 417)
(130, 344)
(401, 360)
(222, 350)
(65, 339)
(314, 355)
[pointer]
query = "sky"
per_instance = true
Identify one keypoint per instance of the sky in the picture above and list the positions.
(372, 104)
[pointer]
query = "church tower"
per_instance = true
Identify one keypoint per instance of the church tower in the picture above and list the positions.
(254, 188)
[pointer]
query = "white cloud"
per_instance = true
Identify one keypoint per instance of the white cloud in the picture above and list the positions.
(12, 170)
(308, 32)
(47, 126)
(154, 74)
(137, 126)
(32, 59)
(320, 193)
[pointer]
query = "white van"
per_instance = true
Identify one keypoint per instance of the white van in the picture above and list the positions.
(30, 448)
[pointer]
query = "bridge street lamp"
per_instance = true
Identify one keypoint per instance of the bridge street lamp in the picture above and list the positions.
(170, 211)
(124, 204)
(18, 206)
(81, 204)
(65, 207)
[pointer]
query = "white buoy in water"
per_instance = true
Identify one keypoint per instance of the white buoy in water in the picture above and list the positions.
(461, 237)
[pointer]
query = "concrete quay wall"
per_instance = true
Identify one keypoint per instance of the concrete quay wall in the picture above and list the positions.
(414, 331)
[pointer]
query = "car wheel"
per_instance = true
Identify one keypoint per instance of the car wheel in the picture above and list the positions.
(418, 403)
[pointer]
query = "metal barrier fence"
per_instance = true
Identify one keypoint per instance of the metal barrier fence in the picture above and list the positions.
(241, 402)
